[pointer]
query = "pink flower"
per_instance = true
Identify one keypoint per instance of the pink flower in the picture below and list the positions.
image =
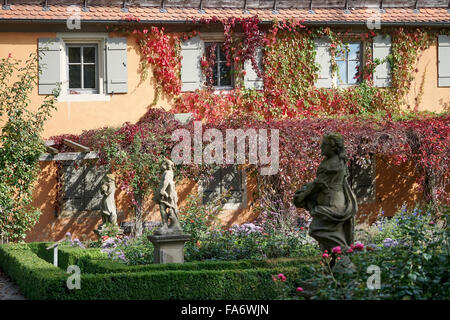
(282, 277)
(145, 31)
(337, 250)
(299, 289)
(431, 223)
(350, 250)
(359, 246)
(302, 228)
(325, 255)
(9, 55)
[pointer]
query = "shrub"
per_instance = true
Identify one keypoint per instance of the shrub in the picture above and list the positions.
(412, 252)
(39, 279)
(20, 145)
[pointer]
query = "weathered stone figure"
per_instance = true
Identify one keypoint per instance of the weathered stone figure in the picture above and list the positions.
(329, 199)
(108, 204)
(166, 197)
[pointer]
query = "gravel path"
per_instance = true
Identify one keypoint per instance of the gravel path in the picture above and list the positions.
(8, 289)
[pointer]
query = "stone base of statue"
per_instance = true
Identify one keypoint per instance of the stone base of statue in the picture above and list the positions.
(169, 248)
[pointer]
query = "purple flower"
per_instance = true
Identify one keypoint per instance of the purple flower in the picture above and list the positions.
(388, 242)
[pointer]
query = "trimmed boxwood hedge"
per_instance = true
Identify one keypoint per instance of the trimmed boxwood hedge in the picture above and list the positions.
(39, 279)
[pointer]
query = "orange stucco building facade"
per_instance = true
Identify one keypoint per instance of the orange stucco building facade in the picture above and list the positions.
(72, 117)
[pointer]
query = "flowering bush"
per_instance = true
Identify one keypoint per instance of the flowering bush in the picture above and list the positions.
(129, 251)
(413, 257)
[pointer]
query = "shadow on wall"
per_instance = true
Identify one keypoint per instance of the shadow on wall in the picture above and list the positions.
(395, 185)
(82, 225)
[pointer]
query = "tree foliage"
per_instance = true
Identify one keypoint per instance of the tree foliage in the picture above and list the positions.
(20, 144)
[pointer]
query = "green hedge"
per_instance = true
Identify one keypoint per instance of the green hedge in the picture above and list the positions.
(108, 266)
(39, 279)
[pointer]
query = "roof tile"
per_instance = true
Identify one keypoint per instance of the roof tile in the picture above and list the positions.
(58, 12)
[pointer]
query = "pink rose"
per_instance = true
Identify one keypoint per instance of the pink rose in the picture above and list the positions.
(337, 250)
(359, 246)
(325, 255)
(299, 289)
(282, 277)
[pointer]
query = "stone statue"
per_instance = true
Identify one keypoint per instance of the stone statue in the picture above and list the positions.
(108, 204)
(166, 197)
(329, 199)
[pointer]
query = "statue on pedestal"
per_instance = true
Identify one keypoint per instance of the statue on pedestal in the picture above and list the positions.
(166, 197)
(330, 200)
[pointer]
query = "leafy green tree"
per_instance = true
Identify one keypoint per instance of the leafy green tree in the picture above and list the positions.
(20, 144)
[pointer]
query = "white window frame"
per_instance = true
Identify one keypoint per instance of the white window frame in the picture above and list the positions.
(83, 38)
(217, 46)
(83, 90)
(336, 75)
(219, 37)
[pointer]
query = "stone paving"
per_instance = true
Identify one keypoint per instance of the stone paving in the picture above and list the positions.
(8, 289)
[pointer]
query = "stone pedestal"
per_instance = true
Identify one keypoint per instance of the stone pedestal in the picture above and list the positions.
(169, 248)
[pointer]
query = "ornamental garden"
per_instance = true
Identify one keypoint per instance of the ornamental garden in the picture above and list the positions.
(61, 238)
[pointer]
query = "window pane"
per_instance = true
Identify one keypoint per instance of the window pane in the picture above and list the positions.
(74, 76)
(74, 54)
(214, 72)
(352, 71)
(341, 53)
(89, 55)
(354, 49)
(89, 76)
(210, 49)
(342, 71)
(222, 56)
(225, 74)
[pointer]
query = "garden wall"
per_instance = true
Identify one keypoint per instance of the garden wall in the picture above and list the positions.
(395, 185)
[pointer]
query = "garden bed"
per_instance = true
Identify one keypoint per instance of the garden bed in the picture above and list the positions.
(29, 266)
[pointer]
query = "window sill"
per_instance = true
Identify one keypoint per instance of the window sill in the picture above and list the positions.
(84, 97)
(222, 90)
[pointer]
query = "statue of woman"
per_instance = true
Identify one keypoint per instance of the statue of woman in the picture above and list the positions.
(108, 204)
(329, 199)
(166, 197)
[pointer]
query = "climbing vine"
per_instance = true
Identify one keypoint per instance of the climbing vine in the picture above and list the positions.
(289, 73)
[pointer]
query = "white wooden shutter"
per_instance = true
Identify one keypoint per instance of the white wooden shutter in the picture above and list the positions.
(323, 59)
(49, 64)
(444, 61)
(191, 73)
(251, 79)
(382, 76)
(116, 65)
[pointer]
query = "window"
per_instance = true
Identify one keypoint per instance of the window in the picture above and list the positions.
(222, 73)
(362, 180)
(195, 48)
(229, 179)
(85, 66)
(82, 68)
(81, 187)
(348, 63)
